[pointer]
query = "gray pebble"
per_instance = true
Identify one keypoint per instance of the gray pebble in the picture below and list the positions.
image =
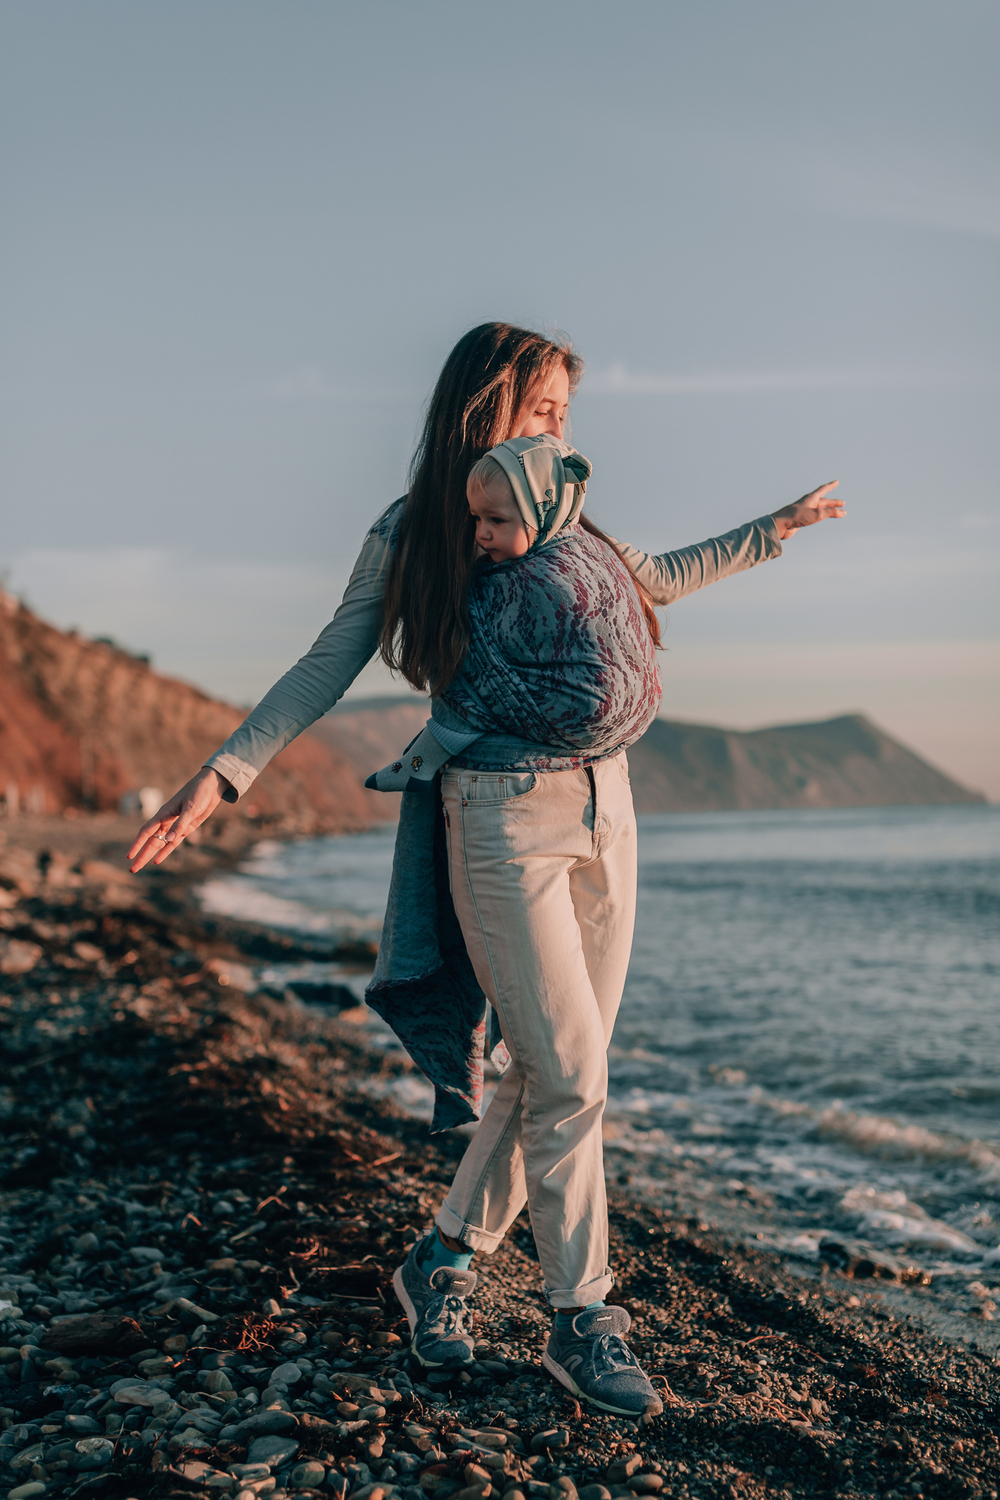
(550, 1437)
(265, 1422)
(82, 1425)
(272, 1449)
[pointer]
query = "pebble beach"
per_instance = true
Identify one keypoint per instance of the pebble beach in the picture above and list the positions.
(202, 1201)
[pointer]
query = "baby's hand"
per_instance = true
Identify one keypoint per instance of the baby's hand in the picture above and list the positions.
(818, 505)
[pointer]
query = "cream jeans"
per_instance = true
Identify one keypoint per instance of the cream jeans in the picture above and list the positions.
(543, 876)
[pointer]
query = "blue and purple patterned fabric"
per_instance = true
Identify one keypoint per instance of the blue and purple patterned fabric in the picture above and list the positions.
(561, 670)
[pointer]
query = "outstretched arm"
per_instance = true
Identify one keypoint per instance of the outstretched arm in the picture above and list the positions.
(670, 576)
(297, 700)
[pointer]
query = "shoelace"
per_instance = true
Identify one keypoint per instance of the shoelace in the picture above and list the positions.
(611, 1353)
(447, 1309)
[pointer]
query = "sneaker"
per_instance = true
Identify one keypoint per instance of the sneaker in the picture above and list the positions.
(434, 1308)
(592, 1359)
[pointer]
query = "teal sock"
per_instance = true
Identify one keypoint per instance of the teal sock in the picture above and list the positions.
(565, 1315)
(434, 1253)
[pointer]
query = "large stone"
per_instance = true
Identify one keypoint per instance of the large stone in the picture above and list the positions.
(139, 1393)
(26, 1457)
(308, 1475)
(484, 1437)
(550, 1437)
(860, 1260)
(623, 1468)
(222, 1359)
(94, 1334)
(82, 1425)
(247, 1473)
(361, 1385)
(17, 957)
(272, 1449)
(188, 1438)
(202, 1473)
(269, 1422)
(286, 1374)
(185, 1305)
(92, 1453)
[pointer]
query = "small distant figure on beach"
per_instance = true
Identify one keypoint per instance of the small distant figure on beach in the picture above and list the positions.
(514, 879)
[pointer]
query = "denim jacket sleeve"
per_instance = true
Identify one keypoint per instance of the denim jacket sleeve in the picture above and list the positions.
(670, 575)
(316, 681)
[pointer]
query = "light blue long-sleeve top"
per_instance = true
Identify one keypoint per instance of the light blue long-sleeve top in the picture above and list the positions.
(319, 679)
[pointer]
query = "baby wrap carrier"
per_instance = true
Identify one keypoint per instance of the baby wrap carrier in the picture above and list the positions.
(560, 672)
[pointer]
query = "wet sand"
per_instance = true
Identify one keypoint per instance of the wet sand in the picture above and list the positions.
(191, 1176)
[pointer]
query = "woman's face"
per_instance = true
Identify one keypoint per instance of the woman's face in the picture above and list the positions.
(548, 408)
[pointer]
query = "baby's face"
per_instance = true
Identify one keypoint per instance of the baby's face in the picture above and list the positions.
(500, 529)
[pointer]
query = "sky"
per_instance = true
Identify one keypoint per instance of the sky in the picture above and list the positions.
(239, 239)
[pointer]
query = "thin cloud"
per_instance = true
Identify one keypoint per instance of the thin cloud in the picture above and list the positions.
(618, 380)
(914, 198)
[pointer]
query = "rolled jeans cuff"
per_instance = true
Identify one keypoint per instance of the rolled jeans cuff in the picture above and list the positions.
(457, 1229)
(581, 1296)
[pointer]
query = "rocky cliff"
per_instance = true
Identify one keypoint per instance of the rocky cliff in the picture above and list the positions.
(675, 767)
(83, 722)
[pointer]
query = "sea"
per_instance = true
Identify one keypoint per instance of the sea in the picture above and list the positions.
(809, 1040)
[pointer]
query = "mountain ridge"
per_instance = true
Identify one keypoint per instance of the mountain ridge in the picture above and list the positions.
(844, 761)
(83, 722)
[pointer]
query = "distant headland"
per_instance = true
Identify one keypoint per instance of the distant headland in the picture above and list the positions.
(85, 724)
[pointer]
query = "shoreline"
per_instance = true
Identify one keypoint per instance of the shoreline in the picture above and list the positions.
(192, 1173)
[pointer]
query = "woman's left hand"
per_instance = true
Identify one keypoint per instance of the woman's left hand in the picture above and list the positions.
(818, 505)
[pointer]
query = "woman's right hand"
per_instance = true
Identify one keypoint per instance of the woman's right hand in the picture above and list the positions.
(179, 816)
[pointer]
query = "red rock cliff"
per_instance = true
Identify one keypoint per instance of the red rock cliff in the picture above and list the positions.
(83, 722)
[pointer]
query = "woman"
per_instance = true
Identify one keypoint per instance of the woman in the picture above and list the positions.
(542, 863)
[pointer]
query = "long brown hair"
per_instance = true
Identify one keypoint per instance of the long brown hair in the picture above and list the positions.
(487, 381)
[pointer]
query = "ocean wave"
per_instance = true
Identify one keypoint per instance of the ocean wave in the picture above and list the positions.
(230, 896)
(876, 1135)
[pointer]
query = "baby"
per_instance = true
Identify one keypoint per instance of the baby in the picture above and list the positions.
(521, 491)
(501, 530)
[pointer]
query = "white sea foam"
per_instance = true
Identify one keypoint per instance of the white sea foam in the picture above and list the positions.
(876, 1135)
(241, 899)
